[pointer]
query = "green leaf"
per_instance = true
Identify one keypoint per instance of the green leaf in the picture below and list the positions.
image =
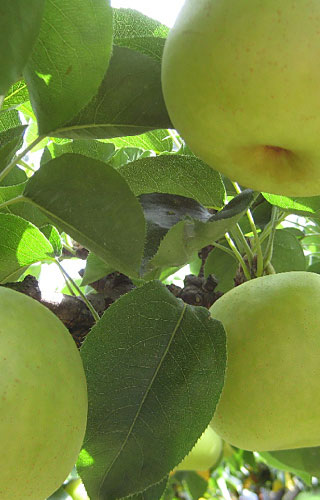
(158, 141)
(182, 242)
(69, 59)
(129, 101)
(163, 212)
(183, 175)
(9, 119)
(16, 95)
(14, 177)
(21, 244)
(196, 484)
(53, 236)
(19, 28)
(153, 493)
(123, 156)
(287, 252)
(9, 192)
(93, 149)
(10, 141)
(224, 268)
(138, 32)
(314, 268)
(95, 270)
(301, 206)
(146, 384)
(92, 203)
(303, 462)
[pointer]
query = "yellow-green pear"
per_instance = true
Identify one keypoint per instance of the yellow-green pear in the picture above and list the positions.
(43, 399)
(205, 454)
(271, 396)
(241, 82)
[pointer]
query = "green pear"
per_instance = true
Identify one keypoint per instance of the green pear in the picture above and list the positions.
(271, 396)
(205, 454)
(43, 399)
(241, 83)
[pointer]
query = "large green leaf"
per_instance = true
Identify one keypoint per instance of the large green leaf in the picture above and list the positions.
(92, 203)
(183, 175)
(69, 59)
(155, 369)
(129, 101)
(19, 27)
(21, 244)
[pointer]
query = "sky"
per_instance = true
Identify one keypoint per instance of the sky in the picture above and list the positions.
(165, 11)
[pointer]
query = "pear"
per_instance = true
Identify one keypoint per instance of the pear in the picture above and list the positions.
(271, 396)
(241, 83)
(43, 399)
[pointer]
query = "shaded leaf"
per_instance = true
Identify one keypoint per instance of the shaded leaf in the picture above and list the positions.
(223, 266)
(92, 203)
(303, 462)
(10, 141)
(287, 252)
(182, 175)
(152, 387)
(69, 59)
(15, 176)
(19, 28)
(182, 242)
(129, 101)
(9, 192)
(21, 244)
(162, 212)
(95, 269)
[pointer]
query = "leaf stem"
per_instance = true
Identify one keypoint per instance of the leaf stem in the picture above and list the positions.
(239, 256)
(84, 298)
(16, 159)
(242, 242)
(17, 199)
(269, 249)
(225, 249)
(260, 265)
